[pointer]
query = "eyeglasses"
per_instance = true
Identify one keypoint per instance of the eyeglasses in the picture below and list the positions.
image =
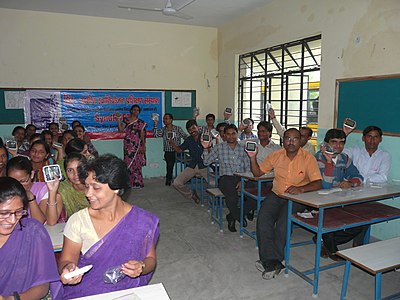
(291, 139)
(18, 213)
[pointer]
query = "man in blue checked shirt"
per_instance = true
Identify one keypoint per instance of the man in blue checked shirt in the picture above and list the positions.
(232, 159)
(338, 170)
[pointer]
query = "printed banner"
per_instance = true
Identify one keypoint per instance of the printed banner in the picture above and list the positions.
(96, 110)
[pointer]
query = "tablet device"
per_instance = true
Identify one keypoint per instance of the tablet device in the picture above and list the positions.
(349, 123)
(51, 172)
(206, 137)
(251, 146)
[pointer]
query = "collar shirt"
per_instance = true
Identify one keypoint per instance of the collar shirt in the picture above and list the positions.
(310, 148)
(374, 168)
(341, 169)
(250, 136)
(299, 171)
(230, 160)
(195, 151)
(178, 135)
(263, 152)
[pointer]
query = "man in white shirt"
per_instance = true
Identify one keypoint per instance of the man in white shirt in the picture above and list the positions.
(306, 132)
(372, 163)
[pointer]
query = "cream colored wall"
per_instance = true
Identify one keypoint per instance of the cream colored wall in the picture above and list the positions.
(375, 22)
(66, 51)
(340, 22)
(47, 50)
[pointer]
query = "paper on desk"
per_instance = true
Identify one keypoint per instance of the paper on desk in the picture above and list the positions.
(130, 296)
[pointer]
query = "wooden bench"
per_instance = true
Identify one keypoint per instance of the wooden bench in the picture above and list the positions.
(375, 258)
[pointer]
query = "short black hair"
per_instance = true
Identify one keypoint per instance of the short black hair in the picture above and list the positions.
(53, 123)
(334, 133)
(17, 128)
(370, 128)
(219, 125)
(190, 123)
(108, 169)
(309, 130)
(19, 163)
(230, 126)
(133, 106)
(74, 156)
(74, 145)
(40, 142)
(292, 129)
(75, 121)
(210, 116)
(30, 125)
(267, 125)
(81, 126)
(10, 188)
(44, 132)
(170, 115)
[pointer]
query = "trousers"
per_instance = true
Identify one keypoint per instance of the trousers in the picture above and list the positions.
(169, 157)
(227, 185)
(272, 226)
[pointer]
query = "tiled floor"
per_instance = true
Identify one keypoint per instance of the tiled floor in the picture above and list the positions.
(197, 261)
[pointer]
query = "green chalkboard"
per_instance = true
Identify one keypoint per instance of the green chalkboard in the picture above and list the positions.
(10, 116)
(370, 101)
(180, 113)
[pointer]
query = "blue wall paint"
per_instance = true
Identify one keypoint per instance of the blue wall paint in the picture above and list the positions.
(391, 144)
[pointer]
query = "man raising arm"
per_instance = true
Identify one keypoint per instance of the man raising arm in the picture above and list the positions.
(296, 171)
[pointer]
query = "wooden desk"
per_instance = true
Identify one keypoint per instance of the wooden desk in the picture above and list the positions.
(256, 195)
(375, 258)
(148, 292)
(56, 235)
(348, 200)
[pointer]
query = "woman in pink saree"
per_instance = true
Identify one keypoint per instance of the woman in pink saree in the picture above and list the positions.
(134, 145)
(109, 234)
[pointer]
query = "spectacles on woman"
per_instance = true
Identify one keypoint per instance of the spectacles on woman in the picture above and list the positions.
(18, 213)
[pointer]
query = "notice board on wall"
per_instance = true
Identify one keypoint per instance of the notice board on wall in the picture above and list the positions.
(373, 100)
(11, 111)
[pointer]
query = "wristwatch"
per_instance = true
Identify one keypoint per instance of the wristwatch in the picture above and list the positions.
(33, 199)
(16, 296)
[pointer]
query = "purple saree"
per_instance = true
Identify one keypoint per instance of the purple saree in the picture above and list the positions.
(130, 239)
(27, 259)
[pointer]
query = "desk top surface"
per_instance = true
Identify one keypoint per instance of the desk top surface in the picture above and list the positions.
(353, 195)
(375, 257)
(148, 292)
(250, 176)
(56, 233)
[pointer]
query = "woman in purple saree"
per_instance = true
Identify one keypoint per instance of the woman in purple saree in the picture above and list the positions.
(110, 233)
(27, 262)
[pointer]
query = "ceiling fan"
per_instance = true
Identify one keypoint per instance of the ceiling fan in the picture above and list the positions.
(168, 10)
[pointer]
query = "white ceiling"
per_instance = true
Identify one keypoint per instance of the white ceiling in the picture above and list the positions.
(212, 13)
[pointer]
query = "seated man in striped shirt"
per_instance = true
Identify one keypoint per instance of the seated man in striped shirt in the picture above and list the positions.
(338, 170)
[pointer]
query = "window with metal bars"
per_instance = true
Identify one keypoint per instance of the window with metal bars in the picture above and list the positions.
(286, 76)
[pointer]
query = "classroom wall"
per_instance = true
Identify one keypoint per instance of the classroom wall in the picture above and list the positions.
(342, 23)
(48, 50)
